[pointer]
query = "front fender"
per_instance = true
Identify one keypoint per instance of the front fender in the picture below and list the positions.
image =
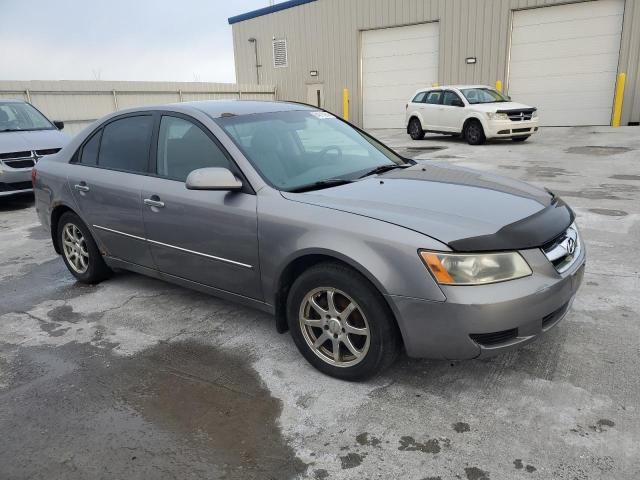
(384, 253)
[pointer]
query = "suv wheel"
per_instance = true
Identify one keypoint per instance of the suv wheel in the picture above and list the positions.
(415, 129)
(473, 133)
(340, 322)
(79, 250)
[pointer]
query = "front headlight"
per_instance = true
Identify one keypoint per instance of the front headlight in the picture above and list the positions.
(475, 268)
(534, 114)
(497, 116)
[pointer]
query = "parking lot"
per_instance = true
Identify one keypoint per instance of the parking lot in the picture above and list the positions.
(135, 378)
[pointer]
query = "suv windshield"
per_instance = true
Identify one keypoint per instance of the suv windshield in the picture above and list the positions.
(303, 150)
(483, 95)
(22, 116)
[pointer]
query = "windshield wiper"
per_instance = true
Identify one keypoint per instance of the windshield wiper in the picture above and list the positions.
(330, 182)
(10, 130)
(383, 168)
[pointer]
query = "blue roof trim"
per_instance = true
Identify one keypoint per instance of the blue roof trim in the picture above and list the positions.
(267, 10)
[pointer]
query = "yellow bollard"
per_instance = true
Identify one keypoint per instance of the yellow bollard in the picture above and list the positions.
(499, 85)
(617, 105)
(345, 104)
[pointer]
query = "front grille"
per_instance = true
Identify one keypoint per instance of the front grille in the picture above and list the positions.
(10, 187)
(15, 155)
(494, 338)
(519, 115)
(26, 163)
(564, 249)
(47, 151)
(550, 319)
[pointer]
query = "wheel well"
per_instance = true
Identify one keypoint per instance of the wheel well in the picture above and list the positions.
(409, 122)
(469, 120)
(55, 217)
(293, 271)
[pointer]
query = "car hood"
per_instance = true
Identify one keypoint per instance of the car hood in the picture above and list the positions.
(31, 140)
(494, 107)
(466, 209)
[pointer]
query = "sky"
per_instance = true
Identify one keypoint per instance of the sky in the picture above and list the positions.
(185, 40)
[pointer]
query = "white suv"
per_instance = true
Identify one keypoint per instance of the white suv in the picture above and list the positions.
(477, 112)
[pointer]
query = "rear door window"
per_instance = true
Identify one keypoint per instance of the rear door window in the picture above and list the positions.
(434, 97)
(125, 144)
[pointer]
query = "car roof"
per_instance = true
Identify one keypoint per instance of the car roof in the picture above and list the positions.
(227, 108)
(456, 87)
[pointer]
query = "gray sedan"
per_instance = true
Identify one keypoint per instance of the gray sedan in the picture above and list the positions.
(286, 208)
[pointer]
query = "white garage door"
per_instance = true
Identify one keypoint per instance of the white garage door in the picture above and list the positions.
(395, 63)
(564, 60)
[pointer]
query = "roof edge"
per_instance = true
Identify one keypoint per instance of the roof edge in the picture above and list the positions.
(267, 10)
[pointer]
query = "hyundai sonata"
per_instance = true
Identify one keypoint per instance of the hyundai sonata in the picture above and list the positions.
(281, 206)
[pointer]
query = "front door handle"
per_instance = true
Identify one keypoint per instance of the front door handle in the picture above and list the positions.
(81, 187)
(154, 201)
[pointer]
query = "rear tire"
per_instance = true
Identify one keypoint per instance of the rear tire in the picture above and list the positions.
(519, 139)
(79, 250)
(415, 129)
(474, 133)
(355, 317)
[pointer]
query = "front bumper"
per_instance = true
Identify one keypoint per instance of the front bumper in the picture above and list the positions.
(484, 320)
(508, 128)
(14, 180)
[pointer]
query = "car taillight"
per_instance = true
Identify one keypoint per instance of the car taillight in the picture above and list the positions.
(34, 174)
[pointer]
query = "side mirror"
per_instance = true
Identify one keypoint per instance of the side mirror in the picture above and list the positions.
(59, 125)
(212, 178)
(457, 103)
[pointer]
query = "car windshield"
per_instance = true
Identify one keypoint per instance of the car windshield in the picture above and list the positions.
(22, 116)
(303, 150)
(483, 95)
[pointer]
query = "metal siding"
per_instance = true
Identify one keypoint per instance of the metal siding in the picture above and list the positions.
(324, 36)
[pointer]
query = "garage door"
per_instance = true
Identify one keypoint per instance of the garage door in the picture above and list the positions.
(395, 63)
(564, 60)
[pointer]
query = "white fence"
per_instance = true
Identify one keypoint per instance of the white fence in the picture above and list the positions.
(78, 103)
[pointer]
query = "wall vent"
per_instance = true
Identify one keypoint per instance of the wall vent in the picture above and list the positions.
(280, 57)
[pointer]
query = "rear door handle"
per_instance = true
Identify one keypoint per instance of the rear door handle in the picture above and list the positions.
(154, 201)
(82, 187)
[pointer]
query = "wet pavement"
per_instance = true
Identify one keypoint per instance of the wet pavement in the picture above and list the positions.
(135, 378)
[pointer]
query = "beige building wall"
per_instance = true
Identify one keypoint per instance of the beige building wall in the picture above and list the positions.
(78, 103)
(324, 35)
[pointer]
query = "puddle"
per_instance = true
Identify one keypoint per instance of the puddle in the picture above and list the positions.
(183, 409)
(598, 151)
(608, 212)
(412, 152)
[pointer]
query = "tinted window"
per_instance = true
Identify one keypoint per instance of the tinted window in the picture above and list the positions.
(90, 150)
(184, 147)
(125, 144)
(434, 97)
(419, 98)
(450, 97)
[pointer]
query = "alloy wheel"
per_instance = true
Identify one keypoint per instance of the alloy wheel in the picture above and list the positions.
(75, 248)
(334, 327)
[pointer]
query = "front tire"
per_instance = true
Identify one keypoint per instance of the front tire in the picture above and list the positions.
(340, 322)
(474, 133)
(415, 129)
(79, 250)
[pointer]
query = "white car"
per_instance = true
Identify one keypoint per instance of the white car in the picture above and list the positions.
(476, 112)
